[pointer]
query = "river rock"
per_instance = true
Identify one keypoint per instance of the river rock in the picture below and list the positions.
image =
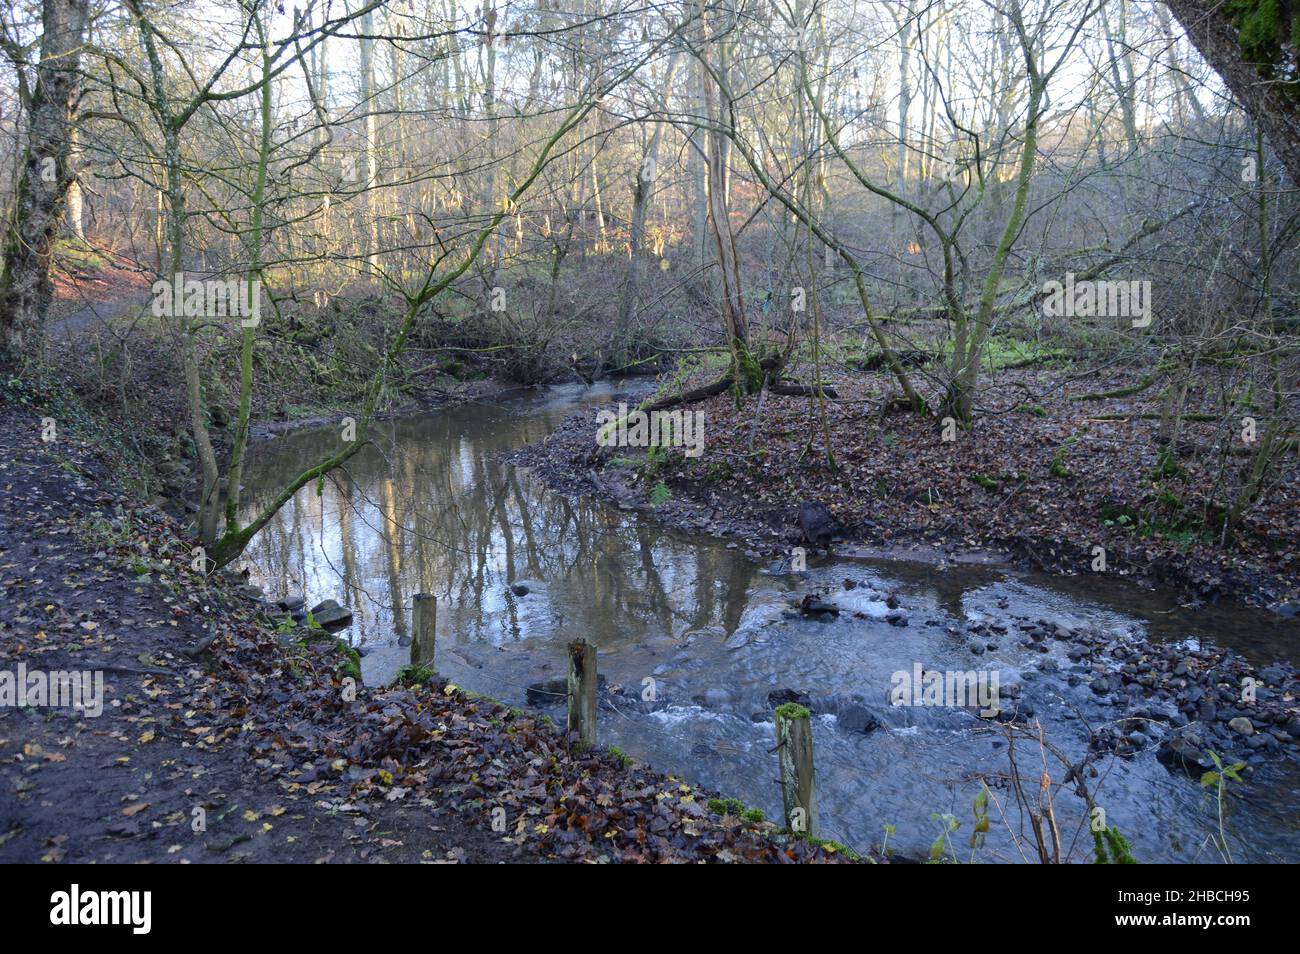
(251, 592)
(815, 606)
(818, 524)
(1273, 675)
(855, 718)
(1242, 726)
(1018, 711)
(330, 616)
(762, 613)
(1184, 751)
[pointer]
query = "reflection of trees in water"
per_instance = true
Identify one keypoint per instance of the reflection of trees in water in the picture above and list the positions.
(435, 513)
(393, 538)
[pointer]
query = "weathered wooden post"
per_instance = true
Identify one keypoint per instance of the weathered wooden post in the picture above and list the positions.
(424, 619)
(794, 749)
(582, 692)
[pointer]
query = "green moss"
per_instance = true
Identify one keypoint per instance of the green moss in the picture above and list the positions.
(1111, 848)
(619, 754)
(77, 255)
(1121, 515)
(726, 806)
(1263, 29)
(1167, 466)
(792, 710)
(748, 373)
(985, 481)
(410, 675)
(1058, 468)
(736, 808)
(351, 664)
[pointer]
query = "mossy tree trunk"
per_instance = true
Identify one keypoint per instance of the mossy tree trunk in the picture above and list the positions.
(1251, 45)
(25, 286)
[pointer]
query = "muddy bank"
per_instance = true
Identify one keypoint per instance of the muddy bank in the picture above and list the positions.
(1033, 488)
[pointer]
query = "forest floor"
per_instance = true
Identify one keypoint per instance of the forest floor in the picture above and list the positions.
(226, 738)
(1046, 474)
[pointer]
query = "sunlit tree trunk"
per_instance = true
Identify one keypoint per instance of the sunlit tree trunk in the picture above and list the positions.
(25, 287)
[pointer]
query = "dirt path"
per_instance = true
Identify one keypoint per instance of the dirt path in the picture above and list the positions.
(94, 313)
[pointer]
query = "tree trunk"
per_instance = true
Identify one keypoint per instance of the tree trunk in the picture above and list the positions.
(700, 197)
(644, 185)
(25, 286)
(74, 224)
(370, 161)
(717, 113)
(1273, 103)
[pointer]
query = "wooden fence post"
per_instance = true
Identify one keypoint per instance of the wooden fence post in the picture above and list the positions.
(582, 692)
(798, 784)
(424, 619)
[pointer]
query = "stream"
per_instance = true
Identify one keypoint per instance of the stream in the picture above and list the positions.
(431, 509)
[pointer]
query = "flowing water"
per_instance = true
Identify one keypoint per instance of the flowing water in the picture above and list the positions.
(431, 509)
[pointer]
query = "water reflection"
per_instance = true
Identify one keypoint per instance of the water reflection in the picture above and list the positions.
(432, 509)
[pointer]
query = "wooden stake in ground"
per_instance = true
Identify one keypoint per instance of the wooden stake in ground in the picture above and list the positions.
(424, 617)
(795, 751)
(582, 692)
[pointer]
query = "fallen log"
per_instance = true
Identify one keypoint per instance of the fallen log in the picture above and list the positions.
(770, 365)
(690, 397)
(801, 390)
